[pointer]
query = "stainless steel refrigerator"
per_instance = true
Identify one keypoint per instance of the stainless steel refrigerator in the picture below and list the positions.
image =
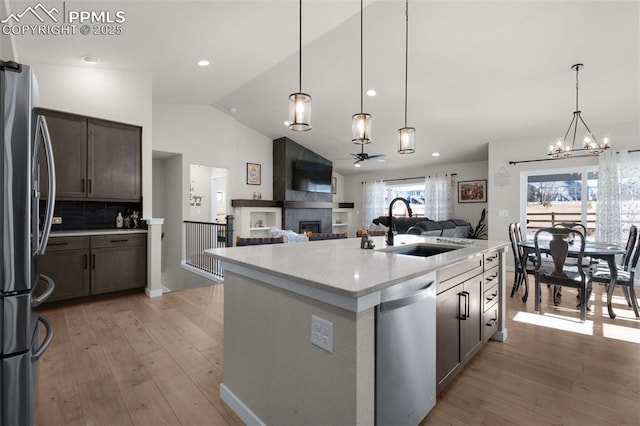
(23, 236)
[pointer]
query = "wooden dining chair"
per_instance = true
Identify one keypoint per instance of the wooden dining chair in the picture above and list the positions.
(560, 275)
(521, 266)
(625, 272)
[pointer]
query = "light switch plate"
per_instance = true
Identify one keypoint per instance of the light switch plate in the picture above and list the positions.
(322, 333)
(503, 213)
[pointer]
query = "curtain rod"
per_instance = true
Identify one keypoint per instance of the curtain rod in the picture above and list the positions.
(562, 158)
(411, 178)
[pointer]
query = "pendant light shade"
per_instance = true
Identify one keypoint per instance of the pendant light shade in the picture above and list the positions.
(300, 103)
(406, 135)
(300, 112)
(361, 122)
(361, 128)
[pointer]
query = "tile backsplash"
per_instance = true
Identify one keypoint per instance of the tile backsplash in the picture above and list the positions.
(83, 215)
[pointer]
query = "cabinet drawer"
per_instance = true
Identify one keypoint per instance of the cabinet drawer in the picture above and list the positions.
(490, 322)
(67, 243)
(112, 240)
(490, 296)
(491, 277)
(461, 272)
(491, 259)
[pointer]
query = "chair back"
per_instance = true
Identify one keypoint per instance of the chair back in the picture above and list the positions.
(633, 256)
(559, 242)
(572, 225)
(514, 243)
(631, 243)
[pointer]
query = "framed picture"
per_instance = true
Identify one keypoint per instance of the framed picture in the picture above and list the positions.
(472, 191)
(334, 185)
(253, 174)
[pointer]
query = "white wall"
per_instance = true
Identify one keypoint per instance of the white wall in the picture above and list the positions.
(7, 52)
(203, 135)
(507, 197)
(465, 171)
(122, 96)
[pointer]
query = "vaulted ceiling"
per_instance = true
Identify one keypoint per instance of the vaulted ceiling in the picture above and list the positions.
(479, 71)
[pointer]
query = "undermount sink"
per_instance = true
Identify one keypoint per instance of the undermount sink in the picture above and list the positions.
(422, 250)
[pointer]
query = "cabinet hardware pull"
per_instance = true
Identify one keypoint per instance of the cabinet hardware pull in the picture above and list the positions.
(492, 296)
(492, 258)
(492, 277)
(58, 244)
(468, 300)
(118, 241)
(491, 322)
(93, 261)
(465, 315)
(85, 261)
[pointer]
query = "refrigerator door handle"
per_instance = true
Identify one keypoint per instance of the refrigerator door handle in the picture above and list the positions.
(47, 339)
(48, 150)
(37, 301)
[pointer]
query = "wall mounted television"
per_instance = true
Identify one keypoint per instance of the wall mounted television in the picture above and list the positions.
(312, 177)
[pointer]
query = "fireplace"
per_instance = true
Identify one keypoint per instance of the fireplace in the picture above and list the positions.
(309, 226)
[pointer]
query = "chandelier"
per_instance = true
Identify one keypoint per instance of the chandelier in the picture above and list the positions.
(590, 145)
(406, 135)
(299, 102)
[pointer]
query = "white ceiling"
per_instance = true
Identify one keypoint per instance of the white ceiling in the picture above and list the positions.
(479, 71)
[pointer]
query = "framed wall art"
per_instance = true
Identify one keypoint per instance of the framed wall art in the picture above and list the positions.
(472, 191)
(254, 174)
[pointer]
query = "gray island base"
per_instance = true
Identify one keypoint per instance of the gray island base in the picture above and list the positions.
(300, 322)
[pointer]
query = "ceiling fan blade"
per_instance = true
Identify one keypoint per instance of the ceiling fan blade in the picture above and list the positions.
(377, 155)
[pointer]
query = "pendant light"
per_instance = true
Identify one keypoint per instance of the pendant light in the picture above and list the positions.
(406, 135)
(590, 146)
(300, 103)
(361, 122)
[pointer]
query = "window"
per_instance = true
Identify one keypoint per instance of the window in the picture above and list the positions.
(555, 196)
(414, 193)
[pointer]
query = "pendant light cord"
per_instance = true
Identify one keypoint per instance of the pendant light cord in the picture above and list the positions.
(406, 60)
(361, 56)
(577, 88)
(300, 59)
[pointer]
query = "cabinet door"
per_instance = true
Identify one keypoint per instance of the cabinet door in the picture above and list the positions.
(448, 334)
(114, 161)
(471, 327)
(118, 268)
(69, 269)
(69, 140)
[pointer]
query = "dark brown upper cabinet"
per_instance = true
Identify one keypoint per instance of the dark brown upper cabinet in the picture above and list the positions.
(95, 159)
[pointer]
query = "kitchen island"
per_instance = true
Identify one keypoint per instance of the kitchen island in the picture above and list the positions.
(273, 374)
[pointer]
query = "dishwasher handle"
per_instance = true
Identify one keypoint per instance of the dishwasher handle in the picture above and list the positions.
(419, 295)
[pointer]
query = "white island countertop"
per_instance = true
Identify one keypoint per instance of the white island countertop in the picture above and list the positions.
(341, 268)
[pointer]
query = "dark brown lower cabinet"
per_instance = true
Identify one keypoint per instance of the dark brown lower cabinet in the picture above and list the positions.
(66, 261)
(85, 266)
(458, 328)
(118, 262)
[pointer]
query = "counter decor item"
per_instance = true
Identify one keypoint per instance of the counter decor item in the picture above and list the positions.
(134, 219)
(119, 221)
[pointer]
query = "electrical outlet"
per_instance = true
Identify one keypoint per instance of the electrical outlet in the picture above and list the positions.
(322, 333)
(57, 221)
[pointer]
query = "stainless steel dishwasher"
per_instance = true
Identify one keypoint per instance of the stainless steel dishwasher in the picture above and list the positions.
(406, 352)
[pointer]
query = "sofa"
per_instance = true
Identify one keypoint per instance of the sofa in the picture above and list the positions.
(456, 228)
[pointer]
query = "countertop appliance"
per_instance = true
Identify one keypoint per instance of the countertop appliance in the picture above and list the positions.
(22, 239)
(406, 352)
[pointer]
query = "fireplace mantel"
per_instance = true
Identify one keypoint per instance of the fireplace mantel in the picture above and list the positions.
(291, 204)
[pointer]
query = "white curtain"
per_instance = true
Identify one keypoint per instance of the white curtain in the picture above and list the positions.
(608, 206)
(437, 195)
(373, 201)
(618, 195)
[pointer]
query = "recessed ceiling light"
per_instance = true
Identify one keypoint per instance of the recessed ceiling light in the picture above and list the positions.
(203, 62)
(356, 165)
(286, 123)
(91, 59)
(232, 110)
(371, 92)
(436, 154)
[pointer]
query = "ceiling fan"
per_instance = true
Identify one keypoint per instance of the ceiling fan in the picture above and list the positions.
(363, 156)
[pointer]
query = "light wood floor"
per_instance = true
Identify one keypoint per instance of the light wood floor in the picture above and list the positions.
(135, 360)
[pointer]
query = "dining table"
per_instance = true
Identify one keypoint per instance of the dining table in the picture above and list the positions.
(594, 250)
